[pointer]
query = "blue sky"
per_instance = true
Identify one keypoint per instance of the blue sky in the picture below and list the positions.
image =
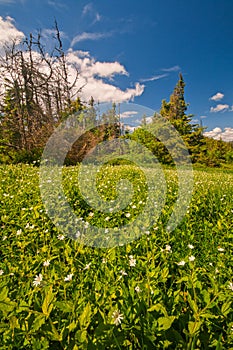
(134, 50)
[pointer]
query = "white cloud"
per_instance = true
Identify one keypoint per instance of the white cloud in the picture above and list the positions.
(8, 32)
(155, 77)
(90, 36)
(218, 133)
(87, 9)
(90, 74)
(217, 97)
(172, 69)
(128, 114)
(203, 116)
(219, 108)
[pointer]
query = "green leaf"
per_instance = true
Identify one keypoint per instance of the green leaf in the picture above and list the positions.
(165, 322)
(193, 327)
(47, 305)
(226, 308)
(85, 318)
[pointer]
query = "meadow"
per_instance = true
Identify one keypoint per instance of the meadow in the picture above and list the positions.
(161, 291)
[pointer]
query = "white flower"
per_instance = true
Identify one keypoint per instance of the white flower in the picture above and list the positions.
(68, 277)
(191, 258)
(117, 317)
(91, 214)
(221, 249)
(61, 237)
(1, 272)
(4, 238)
(37, 280)
(230, 286)
(181, 263)
(104, 260)
(123, 273)
(190, 246)
(18, 232)
(137, 289)
(87, 266)
(132, 261)
(46, 263)
(168, 248)
(127, 215)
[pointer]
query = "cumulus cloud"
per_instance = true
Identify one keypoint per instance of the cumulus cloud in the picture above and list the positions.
(91, 73)
(90, 36)
(155, 77)
(217, 97)
(217, 134)
(219, 108)
(8, 32)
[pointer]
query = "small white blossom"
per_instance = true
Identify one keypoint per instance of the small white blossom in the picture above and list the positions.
(37, 280)
(221, 249)
(68, 277)
(127, 215)
(104, 260)
(4, 238)
(132, 261)
(230, 286)
(190, 246)
(168, 248)
(87, 266)
(18, 232)
(191, 258)
(181, 263)
(123, 273)
(1, 272)
(117, 317)
(46, 263)
(61, 237)
(137, 289)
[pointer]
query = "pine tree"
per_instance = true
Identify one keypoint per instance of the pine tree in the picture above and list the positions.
(175, 112)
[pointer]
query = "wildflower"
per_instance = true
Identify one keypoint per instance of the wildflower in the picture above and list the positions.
(104, 260)
(1, 272)
(123, 273)
(181, 263)
(91, 214)
(18, 232)
(190, 246)
(4, 238)
(220, 249)
(37, 280)
(230, 286)
(117, 317)
(137, 289)
(68, 277)
(127, 215)
(61, 237)
(87, 266)
(46, 263)
(132, 261)
(191, 258)
(168, 248)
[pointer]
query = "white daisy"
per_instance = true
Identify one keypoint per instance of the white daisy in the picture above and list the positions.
(37, 280)
(137, 289)
(132, 261)
(46, 263)
(191, 258)
(117, 317)
(181, 263)
(221, 249)
(190, 246)
(68, 277)
(1, 272)
(61, 237)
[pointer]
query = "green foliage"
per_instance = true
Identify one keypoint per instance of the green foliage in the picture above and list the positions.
(163, 305)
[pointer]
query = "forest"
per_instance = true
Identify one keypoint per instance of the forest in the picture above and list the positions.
(37, 94)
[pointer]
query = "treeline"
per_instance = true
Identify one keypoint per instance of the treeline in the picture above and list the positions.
(38, 93)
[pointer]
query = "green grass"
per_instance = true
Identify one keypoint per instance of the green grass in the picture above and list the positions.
(163, 305)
